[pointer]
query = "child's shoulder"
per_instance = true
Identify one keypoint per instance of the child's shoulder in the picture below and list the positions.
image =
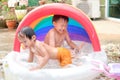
(38, 42)
(51, 30)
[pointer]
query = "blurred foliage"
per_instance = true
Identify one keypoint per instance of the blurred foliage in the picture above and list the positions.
(57, 1)
(3, 11)
(3, 0)
(10, 16)
(36, 2)
(3, 8)
(33, 2)
(20, 7)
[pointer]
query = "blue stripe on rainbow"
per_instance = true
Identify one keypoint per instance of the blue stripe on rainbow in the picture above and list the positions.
(75, 29)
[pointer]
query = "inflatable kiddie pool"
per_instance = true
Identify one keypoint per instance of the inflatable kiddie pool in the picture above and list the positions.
(80, 29)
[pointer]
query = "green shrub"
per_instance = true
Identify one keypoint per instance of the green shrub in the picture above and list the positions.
(20, 7)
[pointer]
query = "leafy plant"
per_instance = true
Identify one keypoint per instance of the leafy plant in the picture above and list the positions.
(59, 1)
(10, 16)
(3, 0)
(3, 12)
(55, 0)
(20, 7)
(2, 7)
(20, 11)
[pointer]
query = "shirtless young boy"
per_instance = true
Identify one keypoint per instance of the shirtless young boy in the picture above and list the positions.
(42, 51)
(56, 36)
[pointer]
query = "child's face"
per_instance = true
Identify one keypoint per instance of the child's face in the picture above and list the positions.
(25, 41)
(60, 25)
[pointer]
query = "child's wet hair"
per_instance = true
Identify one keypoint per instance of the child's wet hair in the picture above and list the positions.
(57, 17)
(26, 32)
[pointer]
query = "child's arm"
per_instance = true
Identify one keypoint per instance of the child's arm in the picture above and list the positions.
(41, 62)
(81, 45)
(73, 45)
(30, 58)
(70, 43)
(42, 59)
(50, 38)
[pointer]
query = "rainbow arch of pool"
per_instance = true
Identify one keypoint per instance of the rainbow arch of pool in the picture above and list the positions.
(80, 26)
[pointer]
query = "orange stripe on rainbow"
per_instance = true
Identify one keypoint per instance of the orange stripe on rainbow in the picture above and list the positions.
(34, 23)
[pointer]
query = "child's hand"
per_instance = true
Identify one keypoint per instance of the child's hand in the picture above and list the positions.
(33, 69)
(76, 51)
(82, 44)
